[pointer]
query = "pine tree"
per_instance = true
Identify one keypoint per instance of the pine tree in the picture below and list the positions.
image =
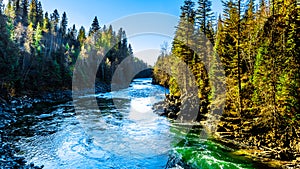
(71, 38)
(54, 20)
(203, 58)
(112, 35)
(184, 33)
(64, 24)
(95, 26)
(33, 13)
(46, 23)
(217, 77)
(29, 39)
(9, 10)
(227, 50)
(37, 39)
(248, 38)
(210, 32)
(81, 35)
(18, 11)
(124, 47)
(24, 12)
(183, 40)
(204, 15)
(72, 33)
(239, 60)
(39, 13)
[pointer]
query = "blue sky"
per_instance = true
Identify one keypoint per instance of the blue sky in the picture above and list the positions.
(83, 12)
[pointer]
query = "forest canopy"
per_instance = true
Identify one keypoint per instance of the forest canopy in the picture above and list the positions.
(38, 50)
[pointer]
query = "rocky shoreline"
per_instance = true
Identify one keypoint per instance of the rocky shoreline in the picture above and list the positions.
(170, 108)
(176, 162)
(8, 151)
(9, 109)
(262, 155)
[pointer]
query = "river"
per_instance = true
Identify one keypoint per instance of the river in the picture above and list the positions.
(123, 132)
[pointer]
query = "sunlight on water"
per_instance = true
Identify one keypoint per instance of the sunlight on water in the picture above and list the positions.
(140, 109)
(122, 133)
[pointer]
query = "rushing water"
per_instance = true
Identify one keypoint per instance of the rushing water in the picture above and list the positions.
(122, 132)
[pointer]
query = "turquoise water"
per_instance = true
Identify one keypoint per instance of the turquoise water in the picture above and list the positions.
(198, 151)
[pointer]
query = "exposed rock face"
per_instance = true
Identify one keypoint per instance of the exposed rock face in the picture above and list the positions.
(185, 108)
(169, 108)
(176, 162)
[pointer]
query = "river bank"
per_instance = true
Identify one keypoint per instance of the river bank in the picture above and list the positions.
(11, 106)
(8, 150)
(270, 158)
(9, 115)
(261, 155)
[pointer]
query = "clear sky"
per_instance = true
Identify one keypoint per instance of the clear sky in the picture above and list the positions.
(83, 12)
